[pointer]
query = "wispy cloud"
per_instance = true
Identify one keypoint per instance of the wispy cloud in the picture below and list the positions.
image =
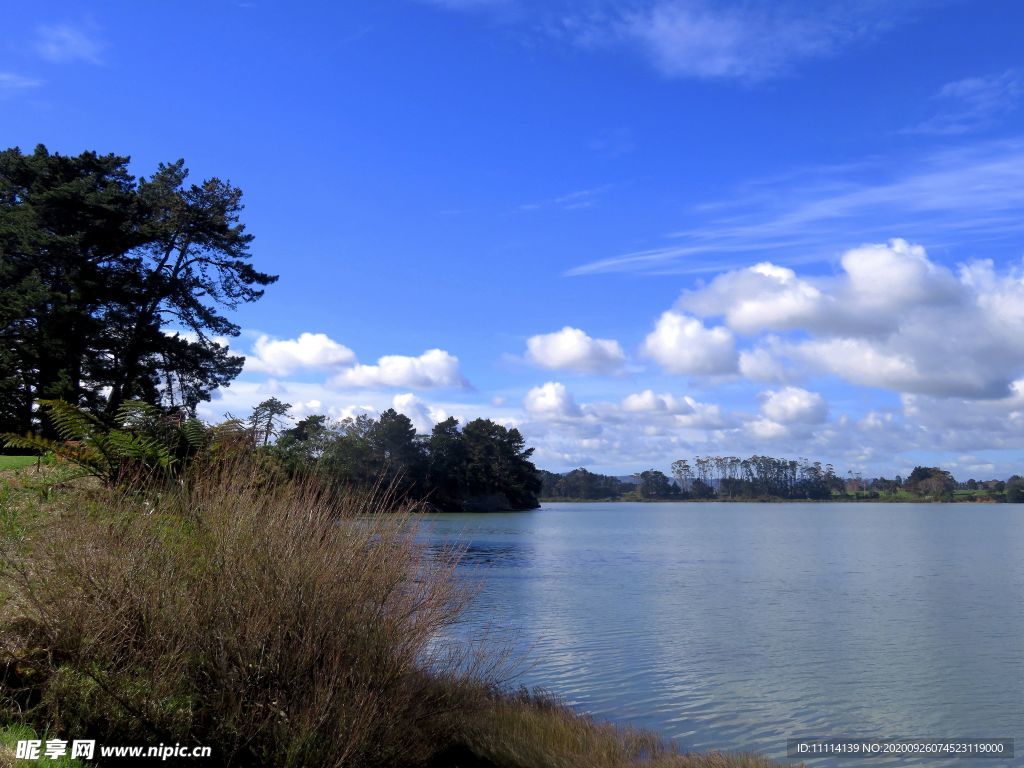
(467, 5)
(750, 41)
(571, 201)
(63, 43)
(11, 83)
(973, 104)
(952, 196)
(689, 38)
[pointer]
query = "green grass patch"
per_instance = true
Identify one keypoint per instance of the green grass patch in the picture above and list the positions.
(16, 462)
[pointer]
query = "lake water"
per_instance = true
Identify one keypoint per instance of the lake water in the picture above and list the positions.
(738, 626)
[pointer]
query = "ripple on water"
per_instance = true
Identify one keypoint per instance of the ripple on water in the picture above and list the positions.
(740, 626)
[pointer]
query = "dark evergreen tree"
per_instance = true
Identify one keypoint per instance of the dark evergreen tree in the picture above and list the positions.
(654, 484)
(498, 464)
(95, 266)
(65, 223)
(446, 471)
(1015, 489)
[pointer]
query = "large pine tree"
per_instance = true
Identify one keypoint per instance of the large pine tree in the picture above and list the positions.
(97, 266)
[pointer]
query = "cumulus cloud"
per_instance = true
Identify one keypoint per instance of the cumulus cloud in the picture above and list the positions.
(880, 282)
(892, 319)
(654, 411)
(550, 401)
(434, 368)
(649, 402)
(764, 364)
(570, 349)
(892, 278)
(764, 296)
(794, 405)
(422, 415)
(682, 344)
(310, 351)
(767, 429)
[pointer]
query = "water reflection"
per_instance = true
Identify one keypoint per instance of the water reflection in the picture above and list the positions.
(739, 626)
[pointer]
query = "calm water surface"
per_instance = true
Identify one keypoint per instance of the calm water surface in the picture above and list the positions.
(737, 626)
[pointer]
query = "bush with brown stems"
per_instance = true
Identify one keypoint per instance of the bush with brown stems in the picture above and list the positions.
(278, 625)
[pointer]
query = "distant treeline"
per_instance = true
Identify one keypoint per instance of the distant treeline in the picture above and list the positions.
(581, 484)
(481, 467)
(765, 477)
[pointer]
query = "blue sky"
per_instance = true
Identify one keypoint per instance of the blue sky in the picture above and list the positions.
(636, 230)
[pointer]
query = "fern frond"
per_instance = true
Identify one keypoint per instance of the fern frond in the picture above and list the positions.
(29, 442)
(70, 422)
(195, 433)
(137, 414)
(149, 450)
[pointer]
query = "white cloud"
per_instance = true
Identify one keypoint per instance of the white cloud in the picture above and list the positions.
(310, 351)
(766, 429)
(972, 104)
(892, 278)
(422, 415)
(551, 401)
(892, 319)
(765, 365)
(967, 195)
(11, 83)
(750, 41)
(649, 402)
(757, 298)
(571, 349)
(794, 405)
(65, 43)
(755, 41)
(342, 413)
(880, 282)
(434, 368)
(682, 344)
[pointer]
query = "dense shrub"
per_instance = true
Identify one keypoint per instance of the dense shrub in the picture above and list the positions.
(261, 619)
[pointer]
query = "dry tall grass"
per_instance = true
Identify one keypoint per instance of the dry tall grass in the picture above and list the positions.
(279, 626)
(535, 731)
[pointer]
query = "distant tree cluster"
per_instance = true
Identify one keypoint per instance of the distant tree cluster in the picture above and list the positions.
(581, 484)
(765, 477)
(756, 477)
(654, 484)
(1015, 489)
(481, 467)
(932, 482)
